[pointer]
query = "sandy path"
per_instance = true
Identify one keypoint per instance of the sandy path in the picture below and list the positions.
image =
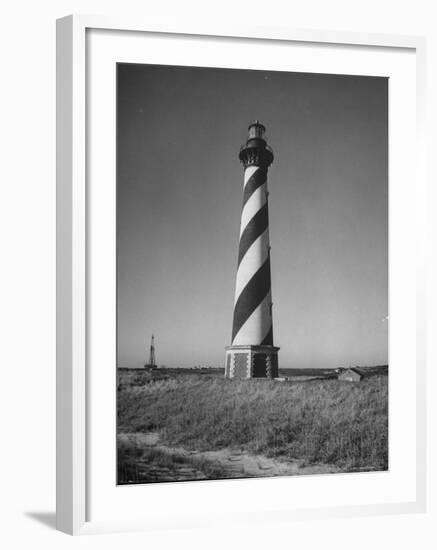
(238, 463)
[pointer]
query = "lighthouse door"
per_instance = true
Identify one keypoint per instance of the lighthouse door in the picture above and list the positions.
(260, 365)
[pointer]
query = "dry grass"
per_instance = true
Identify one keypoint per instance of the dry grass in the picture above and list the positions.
(319, 421)
(148, 464)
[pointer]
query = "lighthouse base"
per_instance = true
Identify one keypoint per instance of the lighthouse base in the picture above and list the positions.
(251, 362)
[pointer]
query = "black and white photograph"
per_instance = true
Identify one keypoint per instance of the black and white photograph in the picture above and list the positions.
(252, 273)
(218, 275)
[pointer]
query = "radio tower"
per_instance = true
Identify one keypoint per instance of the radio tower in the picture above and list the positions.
(152, 360)
(252, 353)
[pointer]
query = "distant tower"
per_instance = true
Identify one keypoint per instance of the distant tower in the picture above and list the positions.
(252, 353)
(152, 361)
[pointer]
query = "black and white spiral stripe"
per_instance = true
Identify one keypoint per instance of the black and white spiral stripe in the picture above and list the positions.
(252, 309)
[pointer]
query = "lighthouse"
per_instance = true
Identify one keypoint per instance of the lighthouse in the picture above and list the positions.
(252, 353)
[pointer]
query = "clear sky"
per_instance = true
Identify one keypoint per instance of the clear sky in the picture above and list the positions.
(179, 195)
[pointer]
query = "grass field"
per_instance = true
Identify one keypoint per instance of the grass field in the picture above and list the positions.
(147, 464)
(321, 421)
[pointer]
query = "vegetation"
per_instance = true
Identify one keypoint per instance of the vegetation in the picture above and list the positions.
(139, 464)
(316, 421)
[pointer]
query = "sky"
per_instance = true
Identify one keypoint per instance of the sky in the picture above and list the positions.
(179, 197)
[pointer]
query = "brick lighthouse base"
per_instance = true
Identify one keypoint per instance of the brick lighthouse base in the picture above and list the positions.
(251, 362)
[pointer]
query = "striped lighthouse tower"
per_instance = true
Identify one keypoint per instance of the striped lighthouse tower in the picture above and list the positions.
(252, 353)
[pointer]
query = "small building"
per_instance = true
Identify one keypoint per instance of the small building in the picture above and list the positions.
(351, 375)
(148, 366)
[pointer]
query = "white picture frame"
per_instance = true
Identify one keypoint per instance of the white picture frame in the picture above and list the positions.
(73, 338)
